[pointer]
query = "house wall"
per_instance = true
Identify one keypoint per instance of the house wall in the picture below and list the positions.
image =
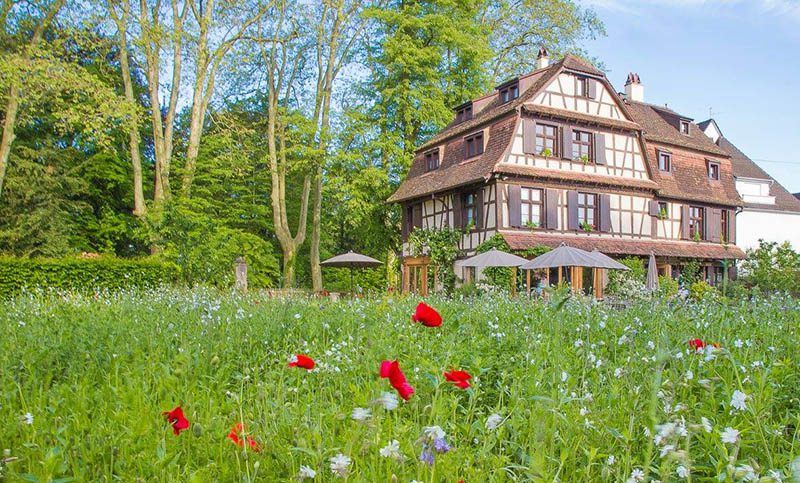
(560, 94)
(779, 227)
(622, 153)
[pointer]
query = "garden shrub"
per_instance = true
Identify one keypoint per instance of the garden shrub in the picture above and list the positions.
(83, 274)
(700, 290)
(500, 277)
(627, 283)
(667, 287)
(772, 267)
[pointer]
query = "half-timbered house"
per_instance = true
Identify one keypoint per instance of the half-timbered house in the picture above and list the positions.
(558, 155)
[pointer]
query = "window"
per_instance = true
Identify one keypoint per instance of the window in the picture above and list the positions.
(581, 87)
(663, 210)
(464, 113)
(582, 145)
(531, 209)
(713, 170)
(469, 209)
(684, 127)
(546, 139)
(409, 218)
(473, 145)
(664, 161)
(432, 160)
(696, 214)
(724, 224)
(587, 210)
(509, 93)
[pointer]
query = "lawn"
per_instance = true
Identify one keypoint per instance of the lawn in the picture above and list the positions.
(559, 391)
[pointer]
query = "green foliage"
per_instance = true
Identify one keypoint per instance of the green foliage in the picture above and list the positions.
(85, 275)
(667, 287)
(441, 245)
(624, 280)
(690, 273)
(772, 267)
(700, 290)
(500, 277)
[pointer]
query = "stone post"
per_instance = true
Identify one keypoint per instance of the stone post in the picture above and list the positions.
(241, 274)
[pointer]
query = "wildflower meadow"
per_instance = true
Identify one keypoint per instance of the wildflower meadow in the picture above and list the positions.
(199, 385)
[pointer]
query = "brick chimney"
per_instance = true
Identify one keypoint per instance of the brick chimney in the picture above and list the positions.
(542, 60)
(634, 90)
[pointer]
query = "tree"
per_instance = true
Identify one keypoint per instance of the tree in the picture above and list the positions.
(772, 267)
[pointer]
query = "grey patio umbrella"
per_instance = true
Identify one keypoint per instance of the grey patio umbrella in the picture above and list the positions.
(494, 258)
(564, 256)
(652, 273)
(607, 261)
(351, 260)
(497, 258)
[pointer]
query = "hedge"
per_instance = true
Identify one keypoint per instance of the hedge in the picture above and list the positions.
(83, 274)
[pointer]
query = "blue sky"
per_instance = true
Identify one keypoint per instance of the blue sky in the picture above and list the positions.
(739, 58)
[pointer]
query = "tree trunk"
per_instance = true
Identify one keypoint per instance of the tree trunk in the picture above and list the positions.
(316, 223)
(289, 258)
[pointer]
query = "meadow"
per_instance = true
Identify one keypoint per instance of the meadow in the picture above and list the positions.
(565, 391)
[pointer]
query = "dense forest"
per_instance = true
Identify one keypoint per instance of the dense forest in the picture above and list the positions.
(197, 131)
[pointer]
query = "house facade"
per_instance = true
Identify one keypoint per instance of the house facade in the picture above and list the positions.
(557, 156)
(770, 212)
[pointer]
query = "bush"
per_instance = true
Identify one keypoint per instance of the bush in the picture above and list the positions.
(700, 290)
(667, 287)
(772, 268)
(500, 277)
(624, 283)
(83, 274)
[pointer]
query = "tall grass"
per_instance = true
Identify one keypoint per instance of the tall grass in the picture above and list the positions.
(584, 391)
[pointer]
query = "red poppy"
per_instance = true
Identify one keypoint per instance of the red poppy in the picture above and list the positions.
(391, 370)
(458, 378)
(697, 344)
(427, 315)
(300, 360)
(177, 420)
(234, 436)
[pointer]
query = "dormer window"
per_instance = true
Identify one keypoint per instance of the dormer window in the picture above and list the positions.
(664, 161)
(713, 170)
(464, 113)
(432, 160)
(684, 127)
(508, 92)
(473, 145)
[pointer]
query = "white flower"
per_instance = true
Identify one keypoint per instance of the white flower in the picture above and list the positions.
(611, 459)
(738, 343)
(361, 414)
(618, 372)
(433, 432)
(392, 450)
(388, 400)
(730, 435)
(297, 316)
(706, 424)
(689, 375)
(340, 465)
(493, 421)
(682, 472)
(564, 376)
(306, 472)
(578, 343)
(636, 475)
(745, 473)
(775, 475)
(737, 401)
(667, 449)
(584, 411)
(28, 419)
(665, 431)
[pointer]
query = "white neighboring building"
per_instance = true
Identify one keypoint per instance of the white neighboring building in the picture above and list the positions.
(770, 212)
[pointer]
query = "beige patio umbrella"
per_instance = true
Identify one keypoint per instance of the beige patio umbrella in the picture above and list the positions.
(497, 258)
(351, 260)
(608, 261)
(652, 274)
(567, 256)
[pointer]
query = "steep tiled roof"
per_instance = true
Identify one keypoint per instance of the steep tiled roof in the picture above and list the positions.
(689, 180)
(454, 171)
(660, 124)
(520, 240)
(744, 167)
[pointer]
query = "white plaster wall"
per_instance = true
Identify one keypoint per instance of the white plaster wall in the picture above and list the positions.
(774, 227)
(560, 94)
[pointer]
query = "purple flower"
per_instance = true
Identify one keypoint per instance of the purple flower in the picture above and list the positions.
(427, 455)
(440, 445)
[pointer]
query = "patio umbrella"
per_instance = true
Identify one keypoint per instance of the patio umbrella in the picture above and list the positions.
(564, 256)
(652, 273)
(351, 260)
(497, 258)
(608, 261)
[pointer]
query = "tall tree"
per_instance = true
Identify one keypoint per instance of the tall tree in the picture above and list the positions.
(220, 26)
(121, 19)
(41, 20)
(340, 26)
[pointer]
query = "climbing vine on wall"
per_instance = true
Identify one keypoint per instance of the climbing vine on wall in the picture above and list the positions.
(441, 245)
